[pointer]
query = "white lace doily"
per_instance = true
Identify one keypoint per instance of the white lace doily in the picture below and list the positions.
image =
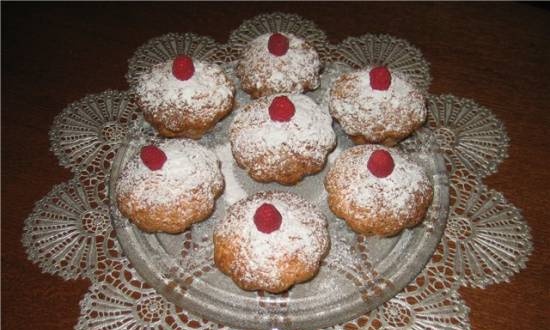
(70, 234)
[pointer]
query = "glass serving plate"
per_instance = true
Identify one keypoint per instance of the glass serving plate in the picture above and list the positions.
(358, 274)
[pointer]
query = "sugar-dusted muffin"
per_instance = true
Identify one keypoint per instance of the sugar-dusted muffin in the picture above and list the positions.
(278, 63)
(378, 190)
(271, 241)
(184, 97)
(375, 105)
(282, 138)
(169, 186)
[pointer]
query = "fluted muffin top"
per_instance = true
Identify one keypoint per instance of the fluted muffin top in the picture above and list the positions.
(285, 73)
(307, 133)
(189, 169)
(302, 234)
(393, 194)
(208, 88)
(363, 110)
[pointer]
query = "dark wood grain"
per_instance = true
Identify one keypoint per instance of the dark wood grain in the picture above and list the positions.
(54, 54)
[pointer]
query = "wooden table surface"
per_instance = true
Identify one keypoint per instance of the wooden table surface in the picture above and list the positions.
(54, 54)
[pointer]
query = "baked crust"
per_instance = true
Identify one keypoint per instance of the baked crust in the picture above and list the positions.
(262, 74)
(289, 171)
(381, 117)
(234, 252)
(348, 181)
(173, 122)
(293, 271)
(389, 138)
(170, 199)
(188, 108)
(383, 224)
(249, 85)
(172, 218)
(283, 152)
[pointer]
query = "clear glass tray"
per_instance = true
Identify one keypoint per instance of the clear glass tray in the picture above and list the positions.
(359, 273)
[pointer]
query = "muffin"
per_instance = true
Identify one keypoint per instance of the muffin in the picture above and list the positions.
(271, 241)
(378, 190)
(376, 105)
(278, 63)
(169, 186)
(281, 138)
(184, 97)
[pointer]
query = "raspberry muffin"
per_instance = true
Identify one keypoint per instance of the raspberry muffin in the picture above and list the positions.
(376, 105)
(378, 190)
(169, 186)
(282, 138)
(271, 241)
(184, 97)
(278, 63)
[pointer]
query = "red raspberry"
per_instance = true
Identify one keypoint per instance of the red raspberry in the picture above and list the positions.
(153, 157)
(278, 44)
(380, 163)
(183, 68)
(281, 109)
(380, 78)
(267, 219)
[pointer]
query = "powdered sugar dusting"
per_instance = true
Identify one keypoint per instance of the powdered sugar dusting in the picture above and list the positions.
(309, 133)
(189, 167)
(362, 110)
(208, 88)
(287, 73)
(334, 155)
(303, 234)
(233, 189)
(393, 194)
